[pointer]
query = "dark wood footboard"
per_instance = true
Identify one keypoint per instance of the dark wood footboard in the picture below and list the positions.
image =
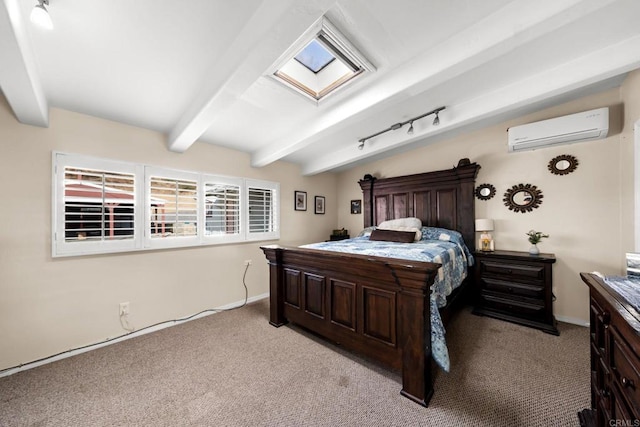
(377, 307)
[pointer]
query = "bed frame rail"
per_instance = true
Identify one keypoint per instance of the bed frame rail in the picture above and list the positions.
(377, 307)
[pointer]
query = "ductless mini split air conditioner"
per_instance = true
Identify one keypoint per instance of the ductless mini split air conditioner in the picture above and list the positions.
(585, 126)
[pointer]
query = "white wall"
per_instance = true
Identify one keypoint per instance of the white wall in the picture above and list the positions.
(51, 305)
(588, 213)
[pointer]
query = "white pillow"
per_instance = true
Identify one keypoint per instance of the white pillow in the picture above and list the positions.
(404, 224)
(401, 222)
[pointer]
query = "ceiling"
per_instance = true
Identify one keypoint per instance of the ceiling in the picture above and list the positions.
(198, 70)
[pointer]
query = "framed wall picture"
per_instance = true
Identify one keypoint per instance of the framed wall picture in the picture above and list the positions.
(319, 203)
(356, 206)
(300, 198)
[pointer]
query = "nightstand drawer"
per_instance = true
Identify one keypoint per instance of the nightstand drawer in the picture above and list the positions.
(512, 270)
(513, 288)
(529, 309)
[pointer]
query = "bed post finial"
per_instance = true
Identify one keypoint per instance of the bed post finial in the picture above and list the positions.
(371, 178)
(464, 162)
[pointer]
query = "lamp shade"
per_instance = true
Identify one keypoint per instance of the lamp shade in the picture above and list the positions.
(484, 225)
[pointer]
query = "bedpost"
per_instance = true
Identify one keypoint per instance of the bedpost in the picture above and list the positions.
(366, 183)
(467, 173)
(414, 330)
(276, 285)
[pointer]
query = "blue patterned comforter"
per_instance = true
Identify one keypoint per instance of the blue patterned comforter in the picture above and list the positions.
(453, 257)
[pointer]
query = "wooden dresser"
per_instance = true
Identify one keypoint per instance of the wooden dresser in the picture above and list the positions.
(615, 361)
(517, 287)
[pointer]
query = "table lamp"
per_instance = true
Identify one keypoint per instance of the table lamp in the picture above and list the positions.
(485, 243)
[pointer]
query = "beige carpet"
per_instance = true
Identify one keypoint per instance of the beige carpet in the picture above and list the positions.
(234, 369)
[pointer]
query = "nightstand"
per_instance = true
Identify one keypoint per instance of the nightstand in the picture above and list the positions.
(334, 237)
(516, 287)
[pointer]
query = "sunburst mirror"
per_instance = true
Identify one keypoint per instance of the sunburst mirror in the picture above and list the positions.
(522, 198)
(563, 164)
(485, 191)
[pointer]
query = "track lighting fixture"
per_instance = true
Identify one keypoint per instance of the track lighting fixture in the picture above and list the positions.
(40, 15)
(396, 126)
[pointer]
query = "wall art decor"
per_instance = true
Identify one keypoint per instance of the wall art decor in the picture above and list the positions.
(522, 198)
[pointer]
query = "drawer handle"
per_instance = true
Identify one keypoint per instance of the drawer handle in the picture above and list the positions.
(509, 271)
(509, 289)
(626, 382)
(606, 317)
(606, 393)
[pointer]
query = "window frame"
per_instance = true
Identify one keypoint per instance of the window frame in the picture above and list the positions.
(142, 239)
(61, 247)
(273, 234)
(224, 238)
(169, 241)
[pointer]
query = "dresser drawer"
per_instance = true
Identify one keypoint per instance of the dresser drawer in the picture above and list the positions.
(523, 308)
(624, 365)
(512, 270)
(513, 288)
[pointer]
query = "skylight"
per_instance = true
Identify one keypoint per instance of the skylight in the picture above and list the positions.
(315, 57)
(320, 63)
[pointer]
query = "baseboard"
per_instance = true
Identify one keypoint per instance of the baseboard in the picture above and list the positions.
(168, 323)
(572, 320)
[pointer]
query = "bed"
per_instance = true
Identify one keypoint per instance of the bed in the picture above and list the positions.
(379, 307)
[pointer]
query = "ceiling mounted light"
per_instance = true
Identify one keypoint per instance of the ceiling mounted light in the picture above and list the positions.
(410, 131)
(40, 16)
(397, 126)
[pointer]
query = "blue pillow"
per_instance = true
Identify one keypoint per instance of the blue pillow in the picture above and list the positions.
(437, 233)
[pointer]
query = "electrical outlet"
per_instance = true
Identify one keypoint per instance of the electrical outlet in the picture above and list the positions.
(124, 308)
(247, 262)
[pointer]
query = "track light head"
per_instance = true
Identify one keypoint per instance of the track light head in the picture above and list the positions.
(410, 131)
(436, 121)
(361, 145)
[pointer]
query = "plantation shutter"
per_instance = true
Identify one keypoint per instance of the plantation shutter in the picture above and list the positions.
(98, 205)
(222, 209)
(173, 207)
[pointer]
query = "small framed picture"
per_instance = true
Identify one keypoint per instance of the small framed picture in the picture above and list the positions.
(356, 206)
(319, 202)
(300, 200)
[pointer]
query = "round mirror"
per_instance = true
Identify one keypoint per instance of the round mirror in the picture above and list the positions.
(522, 198)
(485, 191)
(563, 164)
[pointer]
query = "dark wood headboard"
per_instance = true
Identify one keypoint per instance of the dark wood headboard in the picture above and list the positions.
(440, 199)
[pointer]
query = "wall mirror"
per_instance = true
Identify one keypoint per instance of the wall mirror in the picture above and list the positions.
(522, 198)
(485, 191)
(563, 164)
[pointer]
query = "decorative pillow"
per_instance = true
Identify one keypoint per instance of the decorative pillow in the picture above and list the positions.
(393, 224)
(403, 224)
(367, 231)
(437, 233)
(392, 236)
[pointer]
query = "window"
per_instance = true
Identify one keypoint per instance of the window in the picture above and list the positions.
(263, 210)
(222, 208)
(102, 206)
(315, 57)
(324, 62)
(95, 206)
